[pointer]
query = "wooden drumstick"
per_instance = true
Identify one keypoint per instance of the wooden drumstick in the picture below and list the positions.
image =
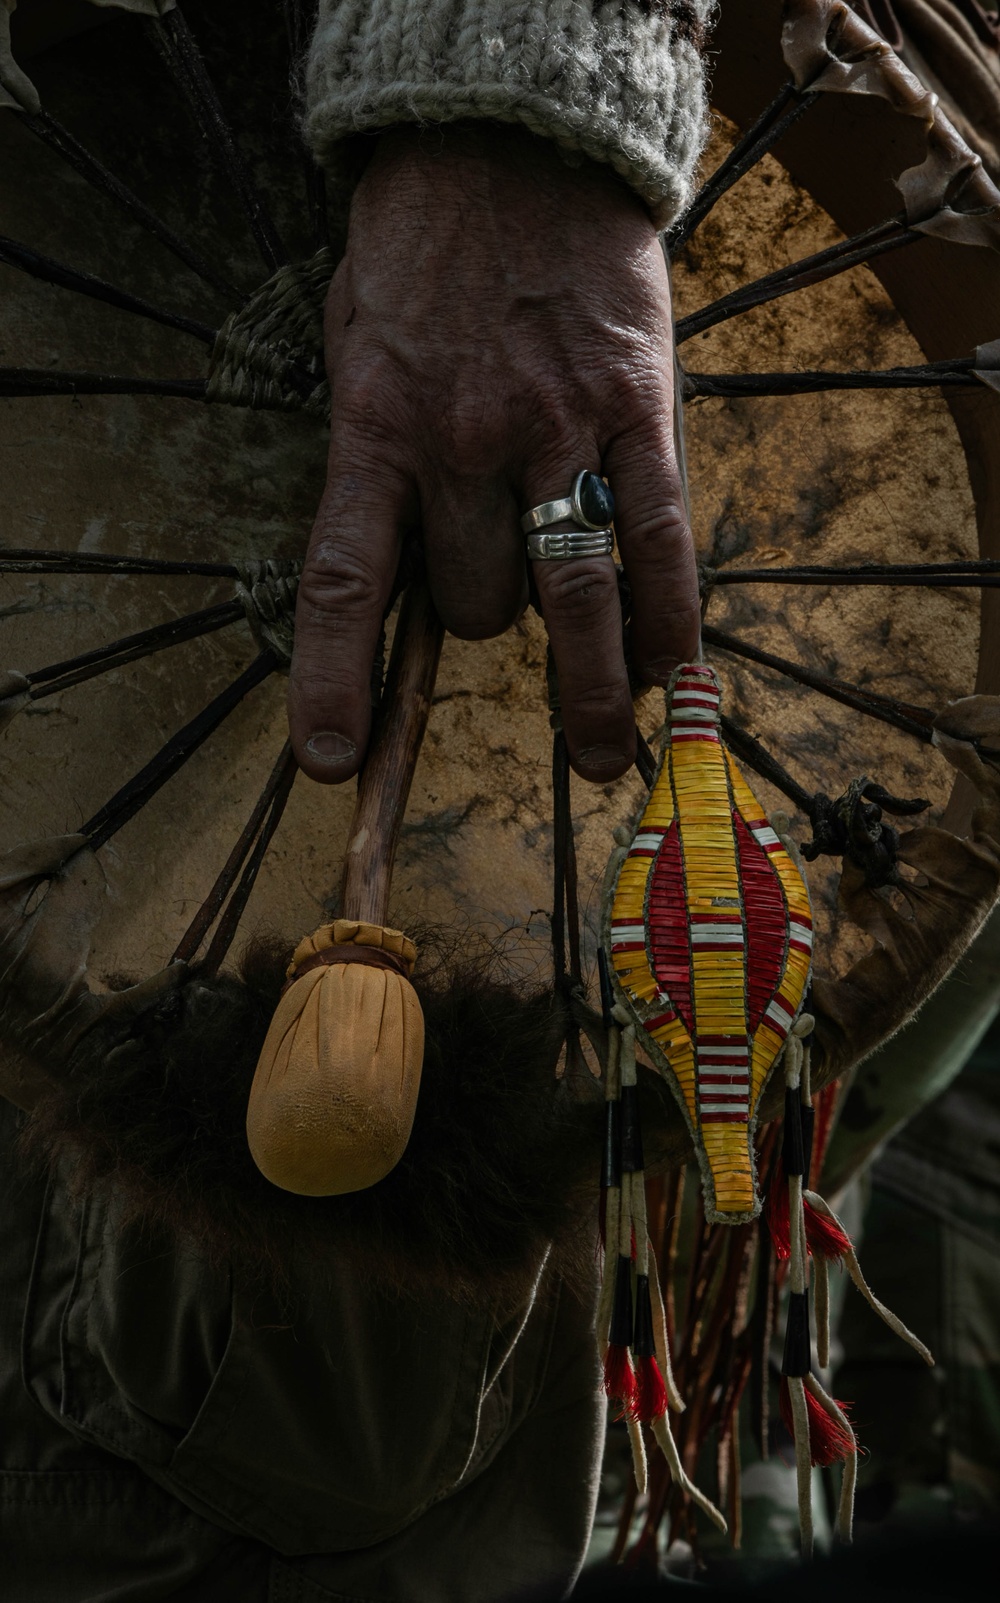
(384, 785)
(333, 1098)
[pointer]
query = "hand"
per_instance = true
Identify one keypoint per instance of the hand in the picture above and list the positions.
(500, 321)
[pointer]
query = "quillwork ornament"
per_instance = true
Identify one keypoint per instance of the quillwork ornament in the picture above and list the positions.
(709, 933)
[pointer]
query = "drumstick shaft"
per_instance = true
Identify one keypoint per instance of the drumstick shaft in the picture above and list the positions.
(384, 784)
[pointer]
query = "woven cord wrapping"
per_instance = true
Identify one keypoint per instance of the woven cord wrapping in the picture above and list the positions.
(269, 354)
(335, 1091)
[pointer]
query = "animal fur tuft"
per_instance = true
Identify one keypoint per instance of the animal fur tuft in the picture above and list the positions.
(502, 1160)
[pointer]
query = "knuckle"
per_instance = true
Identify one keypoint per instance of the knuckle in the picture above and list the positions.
(369, 397)
(468, 432)
(600, 703)
(578, 592)
(339, 578)
(658, 529)
(639, 380)
(551, 432)
(686, 617)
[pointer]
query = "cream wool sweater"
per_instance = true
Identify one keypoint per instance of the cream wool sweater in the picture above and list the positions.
(621, 83)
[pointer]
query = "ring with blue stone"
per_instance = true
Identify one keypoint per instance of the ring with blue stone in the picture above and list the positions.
(589, 503)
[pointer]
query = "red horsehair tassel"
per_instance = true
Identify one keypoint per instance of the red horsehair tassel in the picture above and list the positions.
(631, 1317)
(819, 1427)
(829, 1442)
(656, 1388)
(824, 1238)
(850, 1261)
(651, 1398)
(827, 1241)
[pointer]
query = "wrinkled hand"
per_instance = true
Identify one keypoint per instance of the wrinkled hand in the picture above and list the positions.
(500, 321)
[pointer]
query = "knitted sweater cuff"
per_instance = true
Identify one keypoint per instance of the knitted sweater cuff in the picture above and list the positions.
(622, 83)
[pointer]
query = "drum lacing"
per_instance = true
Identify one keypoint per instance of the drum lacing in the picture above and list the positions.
(268, 590)
(269, 354)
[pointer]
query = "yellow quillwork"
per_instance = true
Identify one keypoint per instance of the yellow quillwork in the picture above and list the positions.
(710, 940)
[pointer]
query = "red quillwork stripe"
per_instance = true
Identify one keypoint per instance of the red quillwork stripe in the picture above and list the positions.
(667, 923)
(766, 921)
(659, 1021)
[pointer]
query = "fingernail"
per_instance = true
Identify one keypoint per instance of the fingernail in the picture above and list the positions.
(660, 670)
(603, 757)
(329, 747)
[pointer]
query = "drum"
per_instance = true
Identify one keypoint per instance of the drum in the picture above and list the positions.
(153, 184)
(162, 428)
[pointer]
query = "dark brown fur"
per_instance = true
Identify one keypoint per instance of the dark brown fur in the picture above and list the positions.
(503, 1158)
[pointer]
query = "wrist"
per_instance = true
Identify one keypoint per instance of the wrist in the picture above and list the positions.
(485, 169)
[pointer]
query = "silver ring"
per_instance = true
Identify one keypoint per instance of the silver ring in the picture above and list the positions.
(564, 545)
(589, 503)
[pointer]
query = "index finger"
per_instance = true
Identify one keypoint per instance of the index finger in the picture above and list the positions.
(343, 592)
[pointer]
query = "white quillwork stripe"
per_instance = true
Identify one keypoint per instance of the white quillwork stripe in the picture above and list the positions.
(799, 932)
(738, 1052)
(736, 1084)
(705, 714)
(702, 732)
(779, 1017)
(628, 932)
(765, 835)
(716, 937)
(722, 1107)
(649, 840)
